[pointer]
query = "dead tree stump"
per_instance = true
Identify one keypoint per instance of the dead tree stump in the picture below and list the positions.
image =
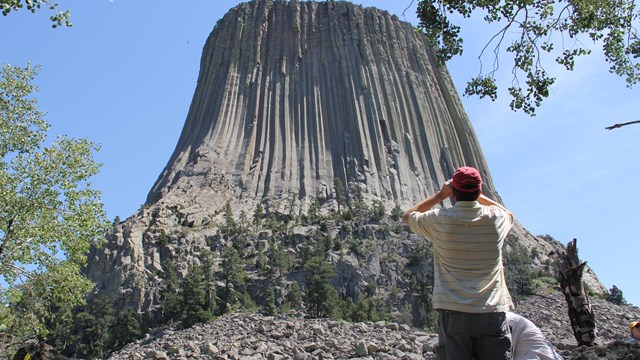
(582, 318)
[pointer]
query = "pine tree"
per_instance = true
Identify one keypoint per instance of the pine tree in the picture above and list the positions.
(518, 269)
(261, 261)
(269, 307)
(421, 285)
(294, 297)
(94, 323)
(279, 260)
(314, 211)
(258, 215)
(616, 296)
(396, 213)
(377, 211)
(171, 298)
(232, 274)
(207, 257)
(194, 298)
(230, 228)
(341, 191)
(33, 304)
(318, 294)
(126, 329)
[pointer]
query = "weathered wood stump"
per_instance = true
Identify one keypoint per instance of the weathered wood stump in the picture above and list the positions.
(582, 318)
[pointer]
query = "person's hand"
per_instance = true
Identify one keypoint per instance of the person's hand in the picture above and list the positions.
(445, 191)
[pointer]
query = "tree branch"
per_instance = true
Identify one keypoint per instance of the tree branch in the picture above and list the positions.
(496, 49)
(622, 124)
(7, 235)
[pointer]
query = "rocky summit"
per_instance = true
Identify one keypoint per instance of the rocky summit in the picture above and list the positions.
(254, 336)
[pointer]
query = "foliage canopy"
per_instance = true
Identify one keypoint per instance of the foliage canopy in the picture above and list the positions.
(540, 29)
(49, 213)
(59, 18)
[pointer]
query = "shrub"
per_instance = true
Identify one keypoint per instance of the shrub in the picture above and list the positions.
(616, 296)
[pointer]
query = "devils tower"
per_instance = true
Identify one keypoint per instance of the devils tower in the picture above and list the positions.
(294, 94)
(292, 99)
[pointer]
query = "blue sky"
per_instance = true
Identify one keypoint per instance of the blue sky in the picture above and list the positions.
(124, 76)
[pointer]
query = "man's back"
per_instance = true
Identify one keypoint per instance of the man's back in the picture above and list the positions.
(467, 241)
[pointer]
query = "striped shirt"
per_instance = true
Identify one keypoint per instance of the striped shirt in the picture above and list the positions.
(467, 250)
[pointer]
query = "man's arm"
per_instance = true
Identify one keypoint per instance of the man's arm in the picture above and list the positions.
(429, 202)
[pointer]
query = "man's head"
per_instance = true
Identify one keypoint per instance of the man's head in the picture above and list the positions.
(634, 328)
(466, 184)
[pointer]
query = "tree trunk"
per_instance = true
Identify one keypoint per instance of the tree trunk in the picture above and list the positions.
(582, 318)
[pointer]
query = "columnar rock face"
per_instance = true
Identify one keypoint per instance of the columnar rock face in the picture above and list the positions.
(292, 95)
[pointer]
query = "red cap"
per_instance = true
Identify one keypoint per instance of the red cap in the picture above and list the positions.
(466, 179)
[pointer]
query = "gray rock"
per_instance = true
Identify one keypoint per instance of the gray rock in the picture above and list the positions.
(361, 349)
(210, 349)
(156, 354)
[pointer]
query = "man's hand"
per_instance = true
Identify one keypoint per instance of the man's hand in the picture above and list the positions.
(429, 202)
(445, 191)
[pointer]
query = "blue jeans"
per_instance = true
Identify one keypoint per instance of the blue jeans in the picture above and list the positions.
(481, 336)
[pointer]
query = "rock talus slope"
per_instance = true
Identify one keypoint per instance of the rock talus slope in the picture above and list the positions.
(291, 336)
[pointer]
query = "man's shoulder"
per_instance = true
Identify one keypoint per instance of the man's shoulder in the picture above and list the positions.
(430, 216)
(496, 210)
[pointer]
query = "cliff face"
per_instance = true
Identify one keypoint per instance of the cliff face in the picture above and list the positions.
(294, 94)
(290, 96)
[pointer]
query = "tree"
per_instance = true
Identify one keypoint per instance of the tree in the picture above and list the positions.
(365, 309)
(293, 299)
(539, 26)
(61, 18)
(258, 214)
(314, 210)
(279, 259)
(261, 261)
(233, 275)
(230, 227)
(377, 211)
(94, 323)
(207, 258)
(396, 213)
(318, 292)
(170, 295)
(34, 304)
(419, 272)
(518, 269)
(194, 298)
(126, 329)
(616, 296)
(269, 306)
(49, 213)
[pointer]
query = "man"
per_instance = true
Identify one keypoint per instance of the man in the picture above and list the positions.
(470, 290)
